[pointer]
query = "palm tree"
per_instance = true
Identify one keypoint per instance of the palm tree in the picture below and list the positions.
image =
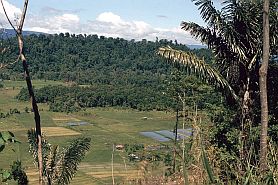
(234, 34)
(59, 166)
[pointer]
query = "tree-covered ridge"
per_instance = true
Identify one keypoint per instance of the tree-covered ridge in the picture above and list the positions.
(118, 72)
(91, 59)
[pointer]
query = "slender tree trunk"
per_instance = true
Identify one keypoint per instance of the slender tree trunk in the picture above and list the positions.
(183, 124)
(18, 31)
(176, 138)
(34, 105)
(112, 165)
(246, 122)
(263, 88)
(185, 173)
(30, 90)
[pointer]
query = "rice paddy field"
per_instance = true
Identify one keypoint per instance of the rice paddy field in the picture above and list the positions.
(106, 127)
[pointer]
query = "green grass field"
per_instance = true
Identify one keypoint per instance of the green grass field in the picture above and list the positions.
(107, 126)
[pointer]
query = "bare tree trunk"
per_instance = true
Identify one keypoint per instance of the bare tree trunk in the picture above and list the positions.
(185, 173)
(246, 121)
(112, 165)
(176, 138)
(34, 107)
(263, 88)
(18, 31)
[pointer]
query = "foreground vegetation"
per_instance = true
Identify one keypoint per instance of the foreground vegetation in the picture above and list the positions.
(234, 33)
(106, 126)
(224, 149)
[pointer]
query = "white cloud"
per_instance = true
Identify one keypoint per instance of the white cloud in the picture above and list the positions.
(109, 17)
(39, 29)
(107, 24)
(53, 24)
(141, 27)
(111, 25)
(68, 18)
(12, 11)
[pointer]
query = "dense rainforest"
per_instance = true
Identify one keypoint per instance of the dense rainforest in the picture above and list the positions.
(92, 59)
(100, 71)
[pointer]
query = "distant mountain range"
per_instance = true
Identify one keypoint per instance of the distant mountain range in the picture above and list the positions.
(11, 33)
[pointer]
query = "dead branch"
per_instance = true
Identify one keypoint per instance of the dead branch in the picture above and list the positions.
(2, 65)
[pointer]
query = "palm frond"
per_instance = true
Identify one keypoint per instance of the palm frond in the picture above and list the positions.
(242, 27)
(219, 46)
(33, 147)
(32, 140)
(220, 33)
(209, 13)
(233, 33)
(52, 173)
(71, 157)
(197, 66)
(59, 167)
(224, 42)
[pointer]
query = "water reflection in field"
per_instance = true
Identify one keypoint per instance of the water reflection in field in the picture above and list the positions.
(167, 135)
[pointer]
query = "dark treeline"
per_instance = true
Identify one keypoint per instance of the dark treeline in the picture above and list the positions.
(73, 98)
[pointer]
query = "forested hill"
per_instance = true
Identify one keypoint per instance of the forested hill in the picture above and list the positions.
(92, 59)
(128, 68)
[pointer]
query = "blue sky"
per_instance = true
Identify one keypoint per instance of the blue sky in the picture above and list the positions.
(129, 19)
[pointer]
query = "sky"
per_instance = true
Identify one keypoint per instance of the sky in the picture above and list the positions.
(129, 19)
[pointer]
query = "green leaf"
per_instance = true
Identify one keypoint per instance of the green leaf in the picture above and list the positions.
(248, 177)
(71, 157)
(2, 147)
(207, 166)
(6, 176)
(2, 142)
(15, 140)
(7, 135)
(198, 67)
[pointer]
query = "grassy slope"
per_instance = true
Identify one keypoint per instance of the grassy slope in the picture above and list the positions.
(107, 126)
